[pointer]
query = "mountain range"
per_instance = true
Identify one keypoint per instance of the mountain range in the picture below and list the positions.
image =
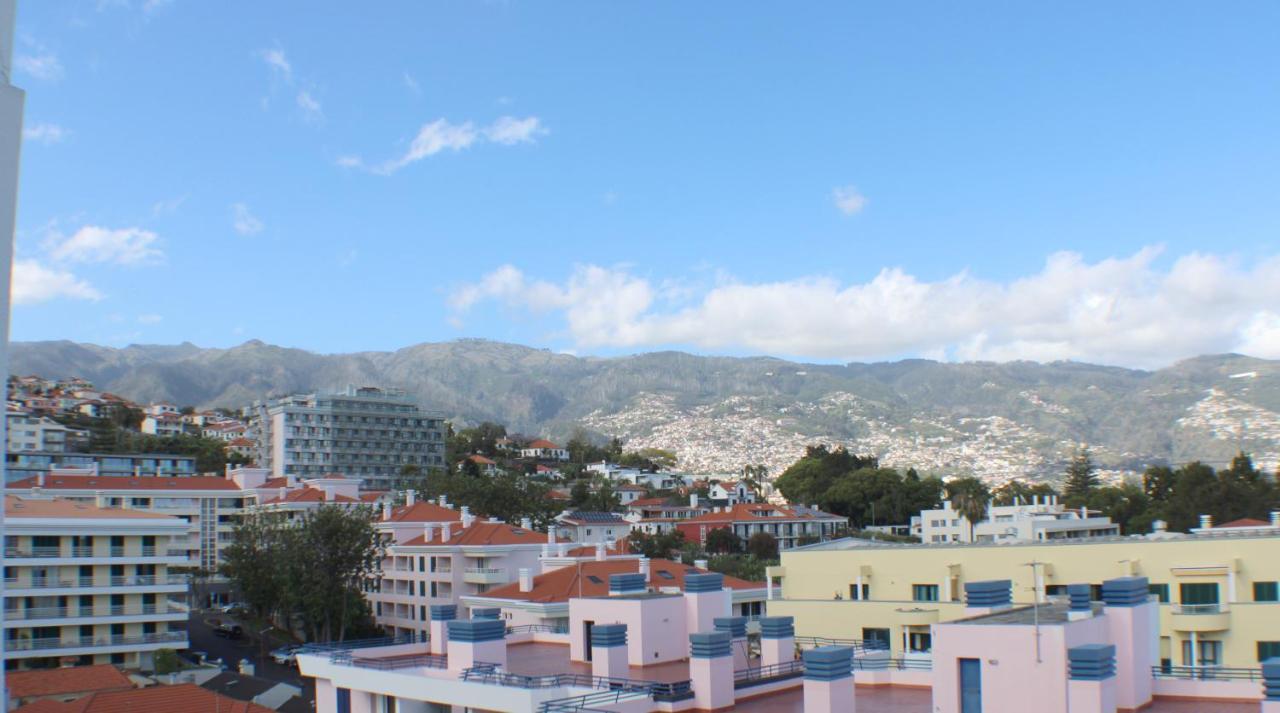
(995, 420)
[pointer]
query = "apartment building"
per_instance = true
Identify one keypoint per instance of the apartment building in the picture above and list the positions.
(20, 465)
(30, 432)
(447, 560)
(208, 506)
(89, 584)
(789, 525)
(1218, 589)
(364, 432)
(1044, 518)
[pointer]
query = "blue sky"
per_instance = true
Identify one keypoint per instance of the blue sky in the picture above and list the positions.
(835, 181)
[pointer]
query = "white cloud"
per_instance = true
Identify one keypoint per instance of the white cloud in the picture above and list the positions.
(44, 133)
(311, 110)
(95, 244)
(243, 221)
(508, 130)
(34, 283)
(278, 63)
(442, 135)
(848, 200)
(1124, 310)
(412, 84)
(40, 66)
(169, 206)
(149, 319)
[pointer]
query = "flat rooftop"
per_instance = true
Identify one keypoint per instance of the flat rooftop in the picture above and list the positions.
(1044, 614)
(544, 659)
(851, 543)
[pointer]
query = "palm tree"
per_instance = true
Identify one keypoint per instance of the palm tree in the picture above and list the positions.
(969, 496)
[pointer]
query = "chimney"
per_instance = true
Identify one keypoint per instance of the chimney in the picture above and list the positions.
(445, 528)
(1159, 526)
(280, 493)
(428, 531)
(100, 498)
(291, 480)
(1206, 521)
(1084, 512)
(600, 551)
(693, 500)
(562, 549)
(526, 580)
(386, 511)
(1275, 518)
(700, 564)
(644, 567)
(40, 479)
(467, 519)
(328, 493)
(410, 497)
(441, 501)
(526, 523)
(551, 535)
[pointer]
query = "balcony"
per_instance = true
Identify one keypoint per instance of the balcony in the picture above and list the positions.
(484, 575)
(136, 610)
(85, 552)
(13, 584)
(1199, 617)
(47, 647)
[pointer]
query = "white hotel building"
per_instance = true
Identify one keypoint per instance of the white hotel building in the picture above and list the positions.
(88, 585)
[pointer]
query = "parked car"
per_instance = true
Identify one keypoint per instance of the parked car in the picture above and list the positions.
(229, 631)
(285, 655)
(232, 608)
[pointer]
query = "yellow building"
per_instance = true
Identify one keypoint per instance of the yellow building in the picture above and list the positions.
(1217, 587)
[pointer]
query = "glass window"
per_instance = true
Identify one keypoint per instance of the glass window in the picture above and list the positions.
(919, 642)
(1209, 653)
(924, 592)
(1198, 593)
(860, 595)
(1268, 650)
(1161, 592)
(880, 636)
(1266, 592)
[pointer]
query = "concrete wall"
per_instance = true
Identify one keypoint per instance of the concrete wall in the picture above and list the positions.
(656, 631)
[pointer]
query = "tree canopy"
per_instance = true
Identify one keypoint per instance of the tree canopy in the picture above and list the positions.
(857, 487)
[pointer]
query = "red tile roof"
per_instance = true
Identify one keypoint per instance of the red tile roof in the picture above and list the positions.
(275, 483)
(372, 496)
(62, 681)
(423, 511)
(116, 482)
(310, 495)
(184, 697)
(543, 443)
(756, 512)
(480, 460)
(1243, 522)
(485, 533)
(577, 580)
(16, 507)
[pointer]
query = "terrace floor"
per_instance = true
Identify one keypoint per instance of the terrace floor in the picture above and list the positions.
(541, 659)
(898, 699)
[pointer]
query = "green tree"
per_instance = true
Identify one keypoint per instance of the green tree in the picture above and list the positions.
(1017, 491)
(1081, 480)
(763, 546)
(334, 553)
(722, 541)
(969, 496)
(656, 546)
(1127, 505)
(166, 661)
(250, 561)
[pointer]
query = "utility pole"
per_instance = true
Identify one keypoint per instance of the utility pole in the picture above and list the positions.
(1035, 603)
(11, 103)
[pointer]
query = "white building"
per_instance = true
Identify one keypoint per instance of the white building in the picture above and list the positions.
(543, 449)
(164, 423)
(589, 528)
(91, 584)
(1042, 519)
(730, 492)
(31, 433)
(364, 432)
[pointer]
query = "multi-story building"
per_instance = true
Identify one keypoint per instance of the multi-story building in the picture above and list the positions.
(30, 432)
(22, 465)
(365, 432)
(589, 528)
(166, 424)
(542, 449)
(1218, 588)
(91, 584)
(1042, 519)
(208, 506)
(790, 526)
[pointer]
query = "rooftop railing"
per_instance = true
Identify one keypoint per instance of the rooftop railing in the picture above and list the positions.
(584, 703)
(1207, 673)
(338, 646)
(492, 674)
(875, 663)
(538, 629)
(394, 663)
(859, 646)
(757, 675)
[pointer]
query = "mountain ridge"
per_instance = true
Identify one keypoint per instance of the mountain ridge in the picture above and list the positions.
(997, 420)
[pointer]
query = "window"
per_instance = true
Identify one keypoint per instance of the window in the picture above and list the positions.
(860, 595)
(919, 642)
(880, 636)
(1161, 592)
(1268, 650)
(1266, 592)
(1209, 653)
(1055, 590)
(344, 700)
(924, 592)
(1198, 594)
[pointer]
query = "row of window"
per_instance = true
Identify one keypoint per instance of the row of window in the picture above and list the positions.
(340, 418)
(1190, 593)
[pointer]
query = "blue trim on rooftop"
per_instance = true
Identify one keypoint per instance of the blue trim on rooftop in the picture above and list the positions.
(626, 583)
(709, 644)
(486, 613)
(1080, 596)
(708, 582)
(736, 626)
(1125, 591)
(444, 612)
(1091, 662)
(988, 593)
(477, 630)
(1271, 679)
(609, 635)
(828, 663)
(777, 627)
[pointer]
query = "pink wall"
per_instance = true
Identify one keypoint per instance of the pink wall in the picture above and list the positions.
(1011, 675)
(1220, 690)
(655, 626)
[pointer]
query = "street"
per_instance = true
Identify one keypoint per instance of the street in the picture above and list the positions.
(231, 652)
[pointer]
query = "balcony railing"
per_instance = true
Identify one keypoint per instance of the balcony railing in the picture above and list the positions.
(85, 582)
(756, 675)
(875, 663)
(95, 642)
(483, 570)
(1215, 608)
(492, 674)
(70, 612)
(1207, 673)
(859, 646)
(538, 629)
(86, 551)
